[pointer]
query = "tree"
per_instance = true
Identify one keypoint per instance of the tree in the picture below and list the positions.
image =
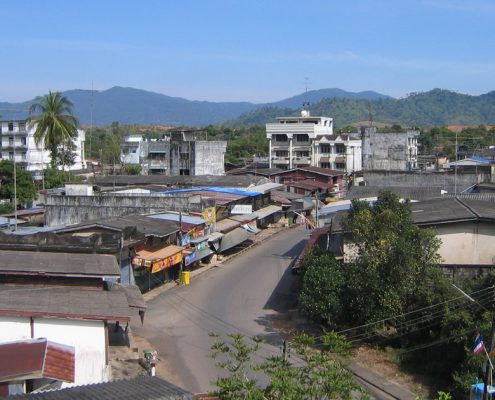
(322, 284)
(26, 190)
(56, 125)
(317, 374)
(55, 178)
(394, 260)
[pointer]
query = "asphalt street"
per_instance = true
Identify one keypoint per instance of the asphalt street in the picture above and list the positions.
(236, 297)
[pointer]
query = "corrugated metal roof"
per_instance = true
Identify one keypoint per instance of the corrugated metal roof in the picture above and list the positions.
(144, 224)
(265, 187)
(214, 189)
(266, 211)
(176, 218)
(244, 218)
(63, 302)
(142, 388)
(58, 264)
(226, 225)
(308, 184)
(233, 238)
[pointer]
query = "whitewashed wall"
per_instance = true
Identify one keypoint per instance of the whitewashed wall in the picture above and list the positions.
(14, 328)
(88, 338)
(467, 243)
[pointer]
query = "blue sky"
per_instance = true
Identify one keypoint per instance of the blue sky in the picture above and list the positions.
(249, 50)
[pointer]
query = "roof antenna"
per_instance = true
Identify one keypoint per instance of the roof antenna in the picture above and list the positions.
(305, 110)
(370, 115)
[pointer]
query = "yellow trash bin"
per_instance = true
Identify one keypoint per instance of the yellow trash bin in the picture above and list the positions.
(185, 277)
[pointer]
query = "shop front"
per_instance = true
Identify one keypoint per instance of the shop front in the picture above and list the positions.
(153, 268)
(199, 251)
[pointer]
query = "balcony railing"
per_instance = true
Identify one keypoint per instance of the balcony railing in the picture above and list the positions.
(280, 160)
(301, 160)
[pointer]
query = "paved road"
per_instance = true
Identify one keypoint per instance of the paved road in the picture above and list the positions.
(238, 296)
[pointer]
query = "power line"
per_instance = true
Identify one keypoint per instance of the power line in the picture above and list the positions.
(410, 312)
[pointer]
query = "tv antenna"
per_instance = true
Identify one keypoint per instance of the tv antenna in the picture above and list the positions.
(306, 100)
(370, 114)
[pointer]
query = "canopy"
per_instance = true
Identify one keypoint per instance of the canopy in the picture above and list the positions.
(233, 238)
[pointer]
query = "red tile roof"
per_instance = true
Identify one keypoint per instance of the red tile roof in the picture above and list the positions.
(36, 358)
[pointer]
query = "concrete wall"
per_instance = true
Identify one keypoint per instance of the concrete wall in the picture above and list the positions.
(408, 179)
(467, 243)
(389, 151)
(88, 339)
(208, 157)
(69, 210)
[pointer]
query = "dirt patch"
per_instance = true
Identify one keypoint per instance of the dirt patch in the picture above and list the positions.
(382, 363)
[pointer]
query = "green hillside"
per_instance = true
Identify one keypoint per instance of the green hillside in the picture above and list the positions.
(434, 108)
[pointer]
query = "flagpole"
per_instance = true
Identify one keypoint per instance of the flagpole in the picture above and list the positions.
(489, 366)
(488, 356)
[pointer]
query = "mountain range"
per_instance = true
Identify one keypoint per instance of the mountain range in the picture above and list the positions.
(134, 106)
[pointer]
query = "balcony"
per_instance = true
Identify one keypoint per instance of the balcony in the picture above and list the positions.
(301, 160)
(10, 147)
(280, 160)
(158, 164)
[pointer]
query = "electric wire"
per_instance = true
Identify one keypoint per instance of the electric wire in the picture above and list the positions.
(412, 312)
(437, 315)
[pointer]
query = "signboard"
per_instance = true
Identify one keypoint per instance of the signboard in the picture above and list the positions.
(209, 215)
(242, 209)
(166, 262)
(190, 258)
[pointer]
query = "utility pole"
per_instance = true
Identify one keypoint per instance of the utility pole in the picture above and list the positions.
(489, 365)
(455, 167)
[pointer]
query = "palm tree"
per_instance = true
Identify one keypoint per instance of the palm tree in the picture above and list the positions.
(55, 123)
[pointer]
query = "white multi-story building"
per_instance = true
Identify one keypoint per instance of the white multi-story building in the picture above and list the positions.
(309, 141)
(18, 144)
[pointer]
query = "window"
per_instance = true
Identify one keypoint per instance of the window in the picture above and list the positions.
(11, 126)
(325, 165)
(133, 151)
(280, 138)
(339, 165)
(11, 141)
(281, 153)
(11, 155)
(325, 148)
(301, 153)
(302, 138)
(340, 148)
(22, 126)
(23, 141)
(23, 156)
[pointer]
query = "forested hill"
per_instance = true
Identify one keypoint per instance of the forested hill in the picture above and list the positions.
(136, 106)
(434, 108)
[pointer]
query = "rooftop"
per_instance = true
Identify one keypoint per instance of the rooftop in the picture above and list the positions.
(143, 388)
(63, 302)
(58, 264)
(178, 181)
(36, 358)
(144, 224)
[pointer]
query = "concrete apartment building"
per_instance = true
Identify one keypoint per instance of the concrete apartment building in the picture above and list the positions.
(18, 144)
(389, 151)
(296, 142)
(175, 154)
